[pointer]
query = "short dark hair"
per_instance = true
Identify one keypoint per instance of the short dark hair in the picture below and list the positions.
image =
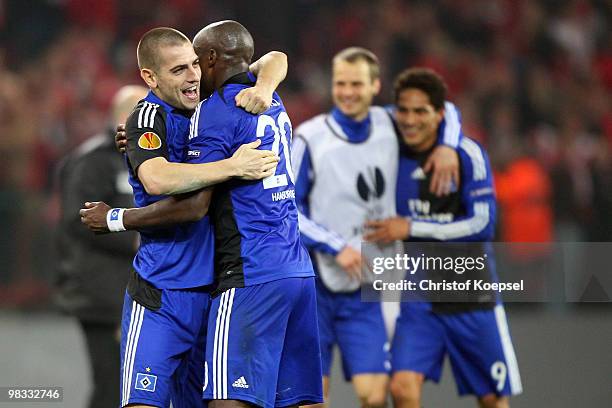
(424, 79)
(152, 40)
(354, 54)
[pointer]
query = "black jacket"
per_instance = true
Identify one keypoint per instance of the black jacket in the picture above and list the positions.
(92, 270)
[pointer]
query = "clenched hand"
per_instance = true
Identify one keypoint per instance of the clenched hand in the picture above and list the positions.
(94, 216)
(254, 100)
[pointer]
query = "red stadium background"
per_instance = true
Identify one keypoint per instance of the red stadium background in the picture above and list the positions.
(532, 78)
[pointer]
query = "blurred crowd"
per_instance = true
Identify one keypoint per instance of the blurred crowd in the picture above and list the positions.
(532, 78)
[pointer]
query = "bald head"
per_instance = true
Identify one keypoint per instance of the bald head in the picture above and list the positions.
(231, 41)
(124, 101)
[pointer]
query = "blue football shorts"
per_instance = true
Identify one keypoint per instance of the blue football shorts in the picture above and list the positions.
(477, 342)
(358, 328)
(162, 351)
(263, 345)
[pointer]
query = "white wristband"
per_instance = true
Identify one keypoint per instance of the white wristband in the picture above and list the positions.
(114, 219)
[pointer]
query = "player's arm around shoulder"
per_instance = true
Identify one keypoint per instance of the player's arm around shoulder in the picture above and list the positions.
(443, 162)
(270, 70)
(159, 176)
(177, 209)
(215, 126)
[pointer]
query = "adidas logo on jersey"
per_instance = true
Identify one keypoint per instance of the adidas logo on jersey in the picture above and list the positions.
(240, 383)
(418, 174)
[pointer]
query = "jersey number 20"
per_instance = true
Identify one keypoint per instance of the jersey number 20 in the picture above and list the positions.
(279, 127)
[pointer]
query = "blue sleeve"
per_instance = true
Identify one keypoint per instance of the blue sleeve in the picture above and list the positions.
(314, 236)
(212, 133)
(478, 198)
(449, 131)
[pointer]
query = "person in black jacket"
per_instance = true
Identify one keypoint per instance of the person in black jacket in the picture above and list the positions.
(92, 270)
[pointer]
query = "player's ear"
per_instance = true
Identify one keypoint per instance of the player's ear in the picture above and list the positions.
(212, 57)
(149, 77)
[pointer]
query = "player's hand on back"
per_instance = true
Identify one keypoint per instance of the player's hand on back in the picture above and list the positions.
(94, 215)
(253, 164)
(444, 162)
(350, 260)
(121, 138)
(387, 231)
(254, 100)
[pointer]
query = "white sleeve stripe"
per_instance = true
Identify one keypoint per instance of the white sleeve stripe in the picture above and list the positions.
(317, 233)
(147, 122)
(193, 123)
(478, 163)
(145, 115)
(453, 127)
(454, 230)
(140, 112)
(467, 147)
(152, 117)
(298, 147)
(196, 124)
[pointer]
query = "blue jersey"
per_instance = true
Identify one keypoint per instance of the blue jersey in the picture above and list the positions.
(467, 214)
(180, 256)
(257, 238)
